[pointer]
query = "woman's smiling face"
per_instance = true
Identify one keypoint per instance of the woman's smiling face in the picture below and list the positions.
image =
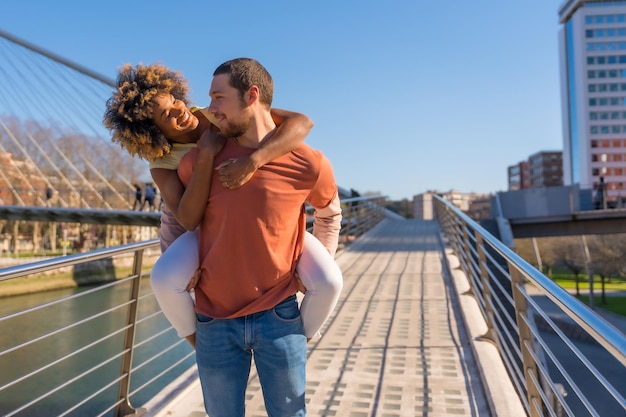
(173, 118)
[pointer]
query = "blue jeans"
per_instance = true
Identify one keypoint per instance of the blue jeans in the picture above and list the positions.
(224, 350)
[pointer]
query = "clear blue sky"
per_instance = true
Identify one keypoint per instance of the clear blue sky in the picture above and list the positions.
(407, 96)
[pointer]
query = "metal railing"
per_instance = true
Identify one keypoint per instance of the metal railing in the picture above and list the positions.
(102, 349)
(543, 334)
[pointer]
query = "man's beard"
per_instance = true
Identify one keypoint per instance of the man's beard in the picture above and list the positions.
(237, 127)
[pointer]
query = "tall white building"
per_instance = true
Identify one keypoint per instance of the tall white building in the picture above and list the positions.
(592, 48)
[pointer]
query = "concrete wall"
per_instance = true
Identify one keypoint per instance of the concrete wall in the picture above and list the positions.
(538, 202)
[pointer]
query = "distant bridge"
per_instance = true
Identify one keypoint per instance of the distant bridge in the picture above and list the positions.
(54, 149)
(553, 211)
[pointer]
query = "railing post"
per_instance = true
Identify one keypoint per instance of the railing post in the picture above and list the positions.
(124, 407)
(526, 342)
(487, 297)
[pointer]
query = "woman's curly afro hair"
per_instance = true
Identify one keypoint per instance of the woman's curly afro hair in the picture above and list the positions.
(129, 110)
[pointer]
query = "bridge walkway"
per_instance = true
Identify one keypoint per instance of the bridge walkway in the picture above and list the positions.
(395, 345)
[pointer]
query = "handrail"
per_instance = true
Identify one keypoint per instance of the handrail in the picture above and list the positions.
(122, 348)
(498, 278)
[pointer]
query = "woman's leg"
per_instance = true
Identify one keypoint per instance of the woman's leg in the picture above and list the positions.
(322, 278)
(170, 276)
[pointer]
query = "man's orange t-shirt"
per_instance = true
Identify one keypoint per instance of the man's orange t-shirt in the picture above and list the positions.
(251, 237)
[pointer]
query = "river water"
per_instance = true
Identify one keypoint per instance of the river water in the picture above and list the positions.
(28, 359)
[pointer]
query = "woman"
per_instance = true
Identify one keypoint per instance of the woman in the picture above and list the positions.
(148, 116)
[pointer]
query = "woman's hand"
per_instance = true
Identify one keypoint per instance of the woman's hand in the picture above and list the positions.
(235, 172)
(211, 142)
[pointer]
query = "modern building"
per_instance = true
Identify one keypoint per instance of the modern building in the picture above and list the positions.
(519, 176)
(545, 169)
(423, 203)
(542, 169)
(592, 49)
(423, 206)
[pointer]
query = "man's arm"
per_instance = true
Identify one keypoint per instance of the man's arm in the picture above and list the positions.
(291, 130)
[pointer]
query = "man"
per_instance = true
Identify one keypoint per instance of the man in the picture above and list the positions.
(250, 241)
(150, 196)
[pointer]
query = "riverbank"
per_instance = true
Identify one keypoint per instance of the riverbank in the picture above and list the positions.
(90, 273)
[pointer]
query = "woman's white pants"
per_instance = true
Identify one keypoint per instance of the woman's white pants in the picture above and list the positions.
(317, 269)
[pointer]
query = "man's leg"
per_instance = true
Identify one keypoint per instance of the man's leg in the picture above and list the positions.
(280, 358)
(223, 365)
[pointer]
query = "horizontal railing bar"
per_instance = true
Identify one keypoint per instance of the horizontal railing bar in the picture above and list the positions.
(160, 374)
(606, 334)
(65, 384)
(69, 297)
(580, 395)
(69, 260)
(582, 358)
(62, 329)
(63, 358)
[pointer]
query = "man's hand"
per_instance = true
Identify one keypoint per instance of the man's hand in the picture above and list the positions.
(235, 172)
(193, 282)
(301, 286)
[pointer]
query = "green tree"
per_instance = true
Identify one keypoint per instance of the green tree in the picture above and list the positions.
(607, 258)
(568, 252)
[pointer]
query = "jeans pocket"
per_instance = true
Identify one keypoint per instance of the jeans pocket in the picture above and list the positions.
(287, 310)
(202, 319)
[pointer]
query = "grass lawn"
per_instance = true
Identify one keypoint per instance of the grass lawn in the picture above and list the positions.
(616, 304)
(567, 281)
